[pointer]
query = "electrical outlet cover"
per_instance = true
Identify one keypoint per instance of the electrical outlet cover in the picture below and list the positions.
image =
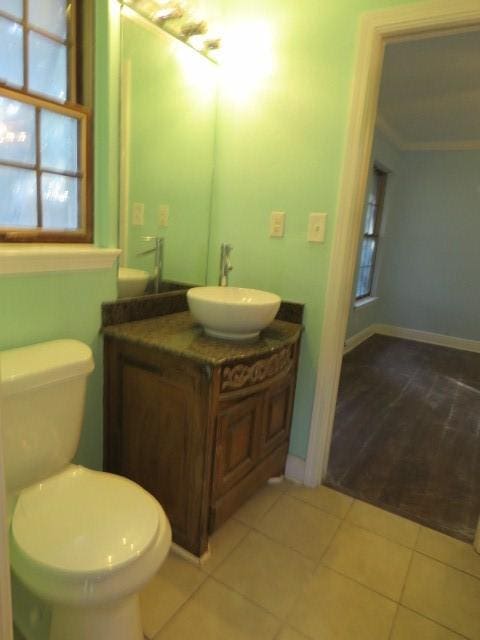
(277, 224)
(138, 214)
(163, 215)
(316, 227)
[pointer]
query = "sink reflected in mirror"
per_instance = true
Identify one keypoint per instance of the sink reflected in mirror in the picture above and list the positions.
(232, 313)
(132, 282)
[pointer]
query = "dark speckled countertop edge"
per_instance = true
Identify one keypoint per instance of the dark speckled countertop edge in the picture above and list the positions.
(178, 334)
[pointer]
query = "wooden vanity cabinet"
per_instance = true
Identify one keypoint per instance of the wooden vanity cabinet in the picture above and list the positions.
(200, 438)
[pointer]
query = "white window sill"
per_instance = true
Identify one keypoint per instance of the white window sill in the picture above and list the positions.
(38, 258)
(359, 304)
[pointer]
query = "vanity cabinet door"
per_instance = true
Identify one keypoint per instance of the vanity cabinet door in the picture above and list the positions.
(159, 435)
(238, 441)
(278, 406)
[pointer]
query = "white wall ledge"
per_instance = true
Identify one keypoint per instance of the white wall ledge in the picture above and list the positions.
(38, 258)
(364, 302)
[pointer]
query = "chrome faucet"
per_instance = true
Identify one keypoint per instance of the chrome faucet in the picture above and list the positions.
(225, 264)
(158, 250)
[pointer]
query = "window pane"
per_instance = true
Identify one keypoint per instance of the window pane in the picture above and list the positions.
(11, 52)
(18, 204)
(14, 7)
(59, 202)
(59, 136)
(368, 248)
(48, 67)
(370, 218)
(363, 284)
(49, 15)
(17, 131)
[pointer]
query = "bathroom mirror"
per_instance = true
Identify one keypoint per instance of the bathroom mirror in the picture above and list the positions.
(168, 115)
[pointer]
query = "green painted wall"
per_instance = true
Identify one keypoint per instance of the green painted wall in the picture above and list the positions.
(46, 306)
(171, 149)
(280, 148)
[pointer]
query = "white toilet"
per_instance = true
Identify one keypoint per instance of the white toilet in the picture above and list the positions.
(84, 541)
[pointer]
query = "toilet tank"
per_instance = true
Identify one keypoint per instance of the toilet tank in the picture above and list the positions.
(43, 397)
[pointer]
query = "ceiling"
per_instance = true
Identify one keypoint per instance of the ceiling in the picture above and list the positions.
(430, 92)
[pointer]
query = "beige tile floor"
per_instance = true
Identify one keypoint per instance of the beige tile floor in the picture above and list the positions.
(307, 564)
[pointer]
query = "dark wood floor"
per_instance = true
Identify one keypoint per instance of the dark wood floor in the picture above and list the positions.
(407, 432)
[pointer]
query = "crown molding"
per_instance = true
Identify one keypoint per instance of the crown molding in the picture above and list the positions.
(447, 145)
(392, 135)
(401, 144)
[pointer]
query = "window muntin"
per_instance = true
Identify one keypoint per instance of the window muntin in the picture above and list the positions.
(43, 133)
(371, 234)
(42, 165)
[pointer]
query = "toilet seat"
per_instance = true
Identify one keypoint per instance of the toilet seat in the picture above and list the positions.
(90, 521)
(102, 537)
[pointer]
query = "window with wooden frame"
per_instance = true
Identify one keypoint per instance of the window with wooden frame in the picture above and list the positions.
(371, 235)
(44, 130)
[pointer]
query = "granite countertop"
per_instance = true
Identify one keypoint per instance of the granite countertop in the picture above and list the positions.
(179, 334)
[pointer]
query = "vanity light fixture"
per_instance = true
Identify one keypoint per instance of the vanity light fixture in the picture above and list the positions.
(173, 17)
(191, 29)
(168, 11)
(214, 44)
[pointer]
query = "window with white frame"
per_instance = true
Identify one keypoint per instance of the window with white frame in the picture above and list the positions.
(371, 235)
(44, 130)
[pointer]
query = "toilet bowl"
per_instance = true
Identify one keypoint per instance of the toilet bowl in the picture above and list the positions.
(84, 541)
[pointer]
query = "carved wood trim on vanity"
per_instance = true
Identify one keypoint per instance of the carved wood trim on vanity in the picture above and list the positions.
(243, 375)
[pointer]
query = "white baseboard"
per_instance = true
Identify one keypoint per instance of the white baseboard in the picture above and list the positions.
(358, 338)
(412, 334)
(189, 557)
(295, 469)
(426, 336)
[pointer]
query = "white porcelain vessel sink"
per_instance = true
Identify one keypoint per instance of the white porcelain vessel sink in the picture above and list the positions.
(232, 313)
(131, 282)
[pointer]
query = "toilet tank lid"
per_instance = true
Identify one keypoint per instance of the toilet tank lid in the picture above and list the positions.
(44, 363)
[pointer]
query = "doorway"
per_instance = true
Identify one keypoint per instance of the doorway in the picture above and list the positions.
(407, 431)
(377, 28)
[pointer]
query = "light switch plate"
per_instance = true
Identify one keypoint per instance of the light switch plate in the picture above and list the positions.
(277, 224)
(316, 227)
(163, 215)
(138, 214)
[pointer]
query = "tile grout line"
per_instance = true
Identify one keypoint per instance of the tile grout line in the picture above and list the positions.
(250, 600)
(206, 576)
(277, 498)
(446, 564)
(394, 621)
(440, 624)
(425, 554)
(291, 548)
(283, 620)
(395, 617)
(235, 546)
(379, 535)
(361, 584)
(350, 508)
(181, 606)
(322, 509)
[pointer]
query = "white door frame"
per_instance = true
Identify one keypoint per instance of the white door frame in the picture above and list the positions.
(376, 28)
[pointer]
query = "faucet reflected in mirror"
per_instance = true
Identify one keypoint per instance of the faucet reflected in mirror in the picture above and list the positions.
(225, 264)
(158, 250)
